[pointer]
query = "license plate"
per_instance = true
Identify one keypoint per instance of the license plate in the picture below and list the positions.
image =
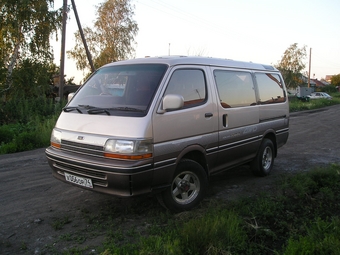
(86, 182)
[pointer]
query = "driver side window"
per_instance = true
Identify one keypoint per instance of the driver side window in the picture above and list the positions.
(189, 83)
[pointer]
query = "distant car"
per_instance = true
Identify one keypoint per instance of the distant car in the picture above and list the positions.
(318, 95)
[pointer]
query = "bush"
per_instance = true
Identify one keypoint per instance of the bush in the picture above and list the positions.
(29, 124)
(22, 110)
(7, 133)
(329, 89)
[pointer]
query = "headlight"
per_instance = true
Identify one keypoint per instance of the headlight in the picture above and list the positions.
(128, 149)
(56, 139)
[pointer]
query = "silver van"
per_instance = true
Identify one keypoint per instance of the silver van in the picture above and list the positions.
(165, 125)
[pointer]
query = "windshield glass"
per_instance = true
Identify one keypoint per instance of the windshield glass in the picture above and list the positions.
(118, 90)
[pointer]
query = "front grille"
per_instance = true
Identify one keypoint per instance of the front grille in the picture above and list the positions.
(88, 149)
(98, 178)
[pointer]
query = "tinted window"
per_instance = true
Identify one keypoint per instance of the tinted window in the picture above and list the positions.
(235, 88)
(270, 88)
(189, 83)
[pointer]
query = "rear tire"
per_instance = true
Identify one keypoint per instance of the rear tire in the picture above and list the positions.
(188, 187)
(264, 160)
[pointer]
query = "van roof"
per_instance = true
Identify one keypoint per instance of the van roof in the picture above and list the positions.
(187, 60)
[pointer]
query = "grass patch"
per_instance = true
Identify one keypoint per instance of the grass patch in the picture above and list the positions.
(296, 105)
(60, 223)
(299, 217)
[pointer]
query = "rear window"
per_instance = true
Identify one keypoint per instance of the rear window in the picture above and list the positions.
(270, 88)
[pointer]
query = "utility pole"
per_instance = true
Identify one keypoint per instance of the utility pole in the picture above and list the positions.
(88, 54)
(310, 60)
(62, 53)
(63, 41)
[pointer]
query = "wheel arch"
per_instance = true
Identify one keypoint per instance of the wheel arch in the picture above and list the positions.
(271, 136)
(195, 153)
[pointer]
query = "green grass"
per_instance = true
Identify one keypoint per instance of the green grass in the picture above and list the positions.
(58, 224)
(296, 105)
(301, 216)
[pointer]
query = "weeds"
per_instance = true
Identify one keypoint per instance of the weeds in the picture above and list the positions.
(60, 223)
(27, 125)
(322, 237)
(300, 217)
(297, 105)
(23, 246)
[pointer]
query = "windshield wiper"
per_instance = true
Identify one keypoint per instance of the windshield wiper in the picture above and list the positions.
(94, 109)
(128, 109)
(71, 108)
(107, 110)
(98, 111)
(86, 106)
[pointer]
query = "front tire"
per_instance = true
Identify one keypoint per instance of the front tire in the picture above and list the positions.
(188, 187)
(264, 160)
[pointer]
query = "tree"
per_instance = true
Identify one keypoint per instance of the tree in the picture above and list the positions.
(112, 37)
(291, 65)
(335, 81)
(32, 78)
(25, 30)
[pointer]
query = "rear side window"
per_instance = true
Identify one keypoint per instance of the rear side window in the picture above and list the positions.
(189, 83)
(270, 88)
(235, 88)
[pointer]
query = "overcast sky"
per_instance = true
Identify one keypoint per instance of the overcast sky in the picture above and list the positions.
(247, 30)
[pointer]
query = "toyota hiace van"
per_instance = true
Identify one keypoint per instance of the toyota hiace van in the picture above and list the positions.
(165, 125)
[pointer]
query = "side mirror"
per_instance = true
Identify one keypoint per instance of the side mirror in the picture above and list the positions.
(70, 96)
(172, 102)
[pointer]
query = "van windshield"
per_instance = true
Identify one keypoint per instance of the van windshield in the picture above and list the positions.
(119, 90)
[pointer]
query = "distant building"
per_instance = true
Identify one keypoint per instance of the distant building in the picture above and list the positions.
(326, 83)
(315, 83)
(305, 82)
(319, 84)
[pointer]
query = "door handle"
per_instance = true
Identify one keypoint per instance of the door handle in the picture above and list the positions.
(208, 115)
(225, 120)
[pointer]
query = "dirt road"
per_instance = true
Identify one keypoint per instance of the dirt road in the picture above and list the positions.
(40, 215)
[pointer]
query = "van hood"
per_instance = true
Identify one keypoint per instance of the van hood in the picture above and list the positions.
(109, 126)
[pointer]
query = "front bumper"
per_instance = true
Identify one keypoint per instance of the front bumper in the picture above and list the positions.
(114, 177)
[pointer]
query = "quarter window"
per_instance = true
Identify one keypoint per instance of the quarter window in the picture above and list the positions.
(270, 88)
(189, 83)
(235, 88)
